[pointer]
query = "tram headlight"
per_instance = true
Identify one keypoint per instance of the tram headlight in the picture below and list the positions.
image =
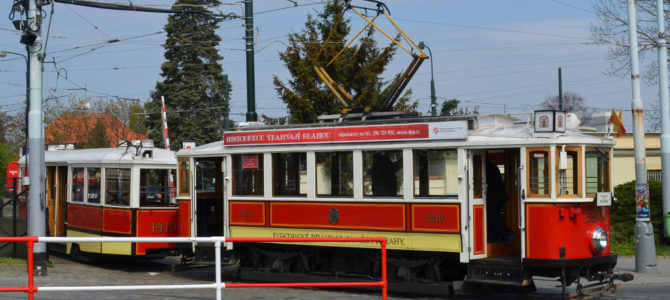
(599, 238)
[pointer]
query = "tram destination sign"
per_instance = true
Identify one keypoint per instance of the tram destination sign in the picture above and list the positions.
(451, 130)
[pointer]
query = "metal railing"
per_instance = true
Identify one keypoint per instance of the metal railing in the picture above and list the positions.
(31, 289)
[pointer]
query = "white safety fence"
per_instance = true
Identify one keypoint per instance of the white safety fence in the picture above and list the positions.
(217, 284)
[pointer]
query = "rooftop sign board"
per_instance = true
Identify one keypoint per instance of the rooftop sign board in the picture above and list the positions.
(450, 130)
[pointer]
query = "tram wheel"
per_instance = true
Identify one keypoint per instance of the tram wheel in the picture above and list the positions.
(75, 253)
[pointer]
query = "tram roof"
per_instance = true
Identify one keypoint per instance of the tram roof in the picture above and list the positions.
(482, 130)
(123, 155)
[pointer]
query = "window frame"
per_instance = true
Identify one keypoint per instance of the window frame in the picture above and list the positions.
(548, 165)
(579, 171)
(184, 177)
(609, 152)
(343, 155)
(130, 187)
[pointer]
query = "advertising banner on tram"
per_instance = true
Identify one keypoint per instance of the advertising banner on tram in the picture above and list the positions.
(398, 132)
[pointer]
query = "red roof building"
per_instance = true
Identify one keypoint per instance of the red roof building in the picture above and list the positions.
(75, 128)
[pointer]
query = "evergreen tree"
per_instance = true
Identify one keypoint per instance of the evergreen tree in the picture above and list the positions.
(193, 83)
(358, 69)
(97, 137)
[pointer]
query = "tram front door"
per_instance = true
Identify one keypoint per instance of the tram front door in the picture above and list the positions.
(493, 207)
(209, 190)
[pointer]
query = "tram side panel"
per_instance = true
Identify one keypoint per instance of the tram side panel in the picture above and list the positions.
(422, 227)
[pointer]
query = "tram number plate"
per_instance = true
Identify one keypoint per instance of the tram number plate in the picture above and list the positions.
(604, 199)
(434, 218)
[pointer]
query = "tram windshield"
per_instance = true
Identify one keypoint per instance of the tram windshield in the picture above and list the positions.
(117, 186)
(155, 187)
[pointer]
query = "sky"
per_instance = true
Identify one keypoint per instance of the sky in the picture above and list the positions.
(499, 56)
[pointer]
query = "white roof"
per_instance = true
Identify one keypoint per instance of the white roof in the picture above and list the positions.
(110, 156)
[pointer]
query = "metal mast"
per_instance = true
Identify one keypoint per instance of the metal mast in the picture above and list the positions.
(645, 250)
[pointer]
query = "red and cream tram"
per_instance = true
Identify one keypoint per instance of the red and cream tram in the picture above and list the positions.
(111, 192)
(489, 198)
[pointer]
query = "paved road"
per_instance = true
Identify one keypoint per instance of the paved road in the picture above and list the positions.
(65, 272)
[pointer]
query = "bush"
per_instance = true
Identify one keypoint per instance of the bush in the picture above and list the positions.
(622, 214)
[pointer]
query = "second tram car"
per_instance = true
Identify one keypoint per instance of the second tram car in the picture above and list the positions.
(123, 191)
(488, 198)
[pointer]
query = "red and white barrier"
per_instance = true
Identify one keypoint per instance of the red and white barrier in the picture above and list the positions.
(31, 289)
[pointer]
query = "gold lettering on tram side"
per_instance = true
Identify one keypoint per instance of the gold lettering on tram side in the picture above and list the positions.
(246, 213)
(163, 227)
(434, 218)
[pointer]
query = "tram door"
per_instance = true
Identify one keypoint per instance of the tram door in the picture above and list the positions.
(477, 204)
(56, 197)
(209, 191)
(493, 205)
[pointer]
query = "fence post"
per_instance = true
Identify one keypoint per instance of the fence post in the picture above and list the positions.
(217, 267)
(14, 199)
(31, 284)
(384, 279)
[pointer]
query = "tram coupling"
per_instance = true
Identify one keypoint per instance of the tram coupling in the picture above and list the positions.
(606, 285)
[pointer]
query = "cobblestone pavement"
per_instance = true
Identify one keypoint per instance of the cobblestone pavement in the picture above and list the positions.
(65, 272)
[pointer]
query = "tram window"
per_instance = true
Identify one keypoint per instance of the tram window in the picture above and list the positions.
(435, 172)
(205, 176)
(94, 175)
(477, 176)
(154, 187)
(77, 184)
(568, 183)
(382, 173)
(289, 174)
(597, 171)
(247, 174)
(117, 186)
(539, 172)
(184, 176)
(334, 174)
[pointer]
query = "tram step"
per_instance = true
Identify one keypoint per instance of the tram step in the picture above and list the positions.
(497, 271)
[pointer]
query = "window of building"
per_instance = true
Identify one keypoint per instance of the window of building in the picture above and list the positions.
(117, 186)
(184, 167)
(539, 172)
(78, 184)
(155, 187)
(94, 176)
(382, 173)
(597, 171)
(289, 174)
(435, 172)
(247, 174)
(568, 179)
(334, 174)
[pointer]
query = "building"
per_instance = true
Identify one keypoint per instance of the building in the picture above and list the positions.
(75, 128)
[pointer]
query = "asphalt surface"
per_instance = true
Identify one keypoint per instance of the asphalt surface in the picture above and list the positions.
(65, 272)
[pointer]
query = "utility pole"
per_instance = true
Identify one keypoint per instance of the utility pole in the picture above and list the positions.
(645, 250)
(36, 204)
(249, 39)
(560, 90)
(665, 118)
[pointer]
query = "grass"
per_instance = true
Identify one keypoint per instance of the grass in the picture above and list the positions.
(627, 248)
(11, 260)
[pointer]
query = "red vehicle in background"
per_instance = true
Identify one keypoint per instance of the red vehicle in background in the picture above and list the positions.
(12, 174)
